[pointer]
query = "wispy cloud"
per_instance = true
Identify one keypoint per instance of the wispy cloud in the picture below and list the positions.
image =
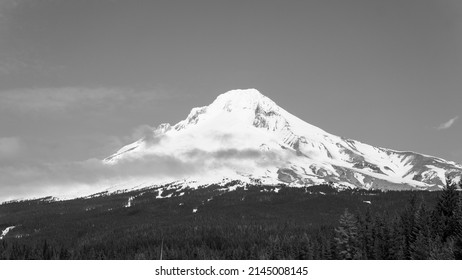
(54, 99)
(145, 132)
(447, 124)
(67, 98)
(37, 178)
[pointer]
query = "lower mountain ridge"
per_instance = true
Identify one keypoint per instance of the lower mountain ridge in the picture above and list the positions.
(244, 137)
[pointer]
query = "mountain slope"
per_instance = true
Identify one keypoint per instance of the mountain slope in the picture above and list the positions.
(245, 136)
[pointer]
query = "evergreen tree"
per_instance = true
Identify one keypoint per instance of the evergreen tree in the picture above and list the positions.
(346, 237)
(448, 219)
(407, 226)
(366, 234)
(422, 231)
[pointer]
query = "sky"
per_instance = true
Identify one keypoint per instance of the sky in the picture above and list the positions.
(81, 78)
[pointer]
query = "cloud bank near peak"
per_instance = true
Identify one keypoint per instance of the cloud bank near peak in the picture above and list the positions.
(68, 179)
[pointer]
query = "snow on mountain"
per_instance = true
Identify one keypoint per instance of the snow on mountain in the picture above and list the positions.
(245, 136)
(5, 231)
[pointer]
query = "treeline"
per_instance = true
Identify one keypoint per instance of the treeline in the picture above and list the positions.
(417, 231)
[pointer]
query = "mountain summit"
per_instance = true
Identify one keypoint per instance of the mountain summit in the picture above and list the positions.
(244, 136)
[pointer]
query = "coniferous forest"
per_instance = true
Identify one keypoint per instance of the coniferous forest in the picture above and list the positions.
(252, 222)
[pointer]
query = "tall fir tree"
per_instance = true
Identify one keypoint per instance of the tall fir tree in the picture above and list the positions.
(346, 237)
(448, 215)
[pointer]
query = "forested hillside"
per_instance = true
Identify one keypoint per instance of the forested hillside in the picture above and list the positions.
(252, 222)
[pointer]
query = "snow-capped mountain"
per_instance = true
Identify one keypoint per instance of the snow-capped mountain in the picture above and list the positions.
(245, 136)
